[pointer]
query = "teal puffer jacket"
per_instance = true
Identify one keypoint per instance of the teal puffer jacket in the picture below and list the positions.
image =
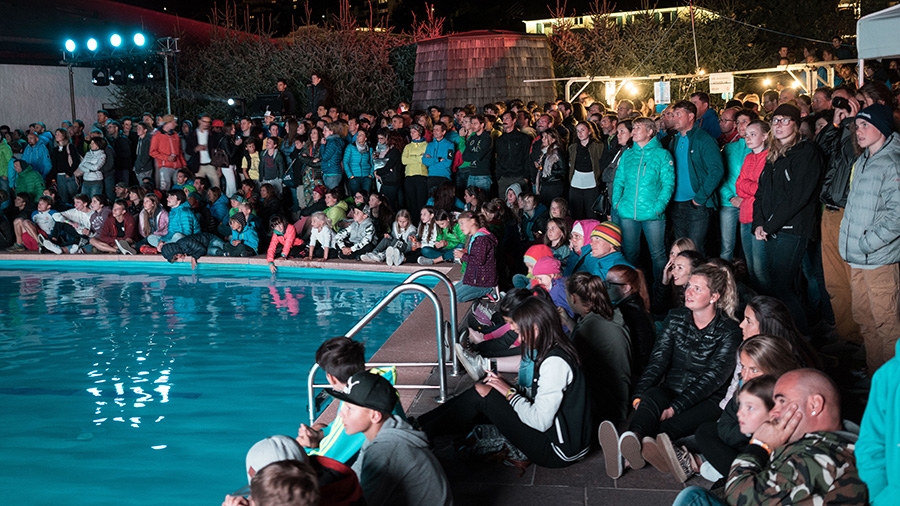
(644, 182)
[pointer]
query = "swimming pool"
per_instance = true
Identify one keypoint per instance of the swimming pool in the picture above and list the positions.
(148, 385)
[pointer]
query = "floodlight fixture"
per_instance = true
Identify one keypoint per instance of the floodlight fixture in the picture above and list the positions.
(231, 101)
(92, 44)
(70, 45)
(139, 39)
(115, 40)
(100, 77)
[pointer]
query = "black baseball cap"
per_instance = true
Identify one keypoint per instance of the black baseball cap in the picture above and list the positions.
(369, 391)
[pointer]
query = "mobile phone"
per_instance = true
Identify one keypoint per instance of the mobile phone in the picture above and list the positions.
(841, 103)
(494, 365)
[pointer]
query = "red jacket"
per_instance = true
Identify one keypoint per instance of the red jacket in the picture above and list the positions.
(287, 241)
(162, 145)
(108, 232)
(747, 182)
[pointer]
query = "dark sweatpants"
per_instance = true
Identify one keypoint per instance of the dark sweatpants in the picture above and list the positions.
(656, 400)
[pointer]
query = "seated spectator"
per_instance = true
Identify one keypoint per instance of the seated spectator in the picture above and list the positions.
(393, 246)
(478, 258)
(358, 238)
(603, 252)
(534, 218)
(72, 226)
(201, 212)
(182, 221)
(628, 293)
(321, 237)
(30, 234)
(244, 239)
(218, 204)
(395, 466)
(28, 180)
(117, 233)
(688, 373)
(449, 237)
(800, 455)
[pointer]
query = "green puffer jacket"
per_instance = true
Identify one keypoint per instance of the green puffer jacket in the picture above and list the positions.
(644, 182)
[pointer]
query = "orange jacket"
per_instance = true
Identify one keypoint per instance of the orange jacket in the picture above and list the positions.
(287, 241)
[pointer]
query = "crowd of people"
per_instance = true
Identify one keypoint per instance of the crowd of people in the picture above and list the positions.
(673, 278)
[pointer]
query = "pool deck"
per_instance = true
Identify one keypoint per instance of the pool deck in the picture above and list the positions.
(473, 483)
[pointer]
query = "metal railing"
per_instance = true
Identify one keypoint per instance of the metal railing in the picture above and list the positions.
(441, 331)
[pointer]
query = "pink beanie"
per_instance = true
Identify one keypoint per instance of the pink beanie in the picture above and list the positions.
(548, 266)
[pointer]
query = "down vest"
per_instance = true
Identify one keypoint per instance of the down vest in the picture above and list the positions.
(871, 224)
(695, 363)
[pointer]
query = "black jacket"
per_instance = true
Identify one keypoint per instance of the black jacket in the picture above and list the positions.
(392, 172)
(143, 162)
(640, 327)
(513, 155)
(786, 199)
(60, 159)
(841, 155)
(696, 364)
(478, 153)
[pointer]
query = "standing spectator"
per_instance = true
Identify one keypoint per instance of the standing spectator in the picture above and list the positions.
(272, 165)
(390, 175)
(642, 189)
(91, 167)
(165, 148)
(733, 154)
(415, 182)
(122, 149)
(200, 144)
(332, 152)
(513, 159)
(869, 232)
(479, 150)
(585, 185)
(28, 180)
(65, 159)
(698, 172)
(143, 162)
(285, 98)
(706, 117)
(438, 157)
(358, 164)
(784, 213)
(552, 171)
(37, 155)
(318, 95)
(746, 185)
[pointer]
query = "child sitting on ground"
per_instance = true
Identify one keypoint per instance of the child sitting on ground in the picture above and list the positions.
(532, 255)
(449, 238)
(244, 240)
(358, 238)
(392, 246)
(547, 274)
(425, 235)
(557, 237)
(31, 233)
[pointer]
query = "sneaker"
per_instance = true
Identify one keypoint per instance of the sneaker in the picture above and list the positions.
(631, 450)
(472, 362)
(74, 249)
(49, 245)
(425, 261)
(399, 258)
(493, 295)
(679, 459)
(368, 258)
(125, 248)
(389, 255)
(395, 256)
(710, 473)
(15, 248)
(148, 250)
(651, 453)
(612, 454)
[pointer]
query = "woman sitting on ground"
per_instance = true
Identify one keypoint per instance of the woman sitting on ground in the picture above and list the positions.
(688, 373)
(478, 258)
(548, 422)
(628, 293)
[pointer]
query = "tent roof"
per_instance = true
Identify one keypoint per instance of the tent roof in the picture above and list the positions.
(876, 34)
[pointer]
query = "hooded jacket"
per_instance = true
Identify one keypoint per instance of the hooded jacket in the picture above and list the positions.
(786, 199)
(396, 468)
(871, 226)
(332, 154)
(181, 221)
(480, 260)
(644, 182)
(878, 448)
(704, 165)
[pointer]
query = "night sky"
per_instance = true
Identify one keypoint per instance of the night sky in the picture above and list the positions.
(461, 14)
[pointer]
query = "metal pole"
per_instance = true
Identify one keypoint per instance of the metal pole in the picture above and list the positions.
(453, 317)
(72, 91)
(168, 93)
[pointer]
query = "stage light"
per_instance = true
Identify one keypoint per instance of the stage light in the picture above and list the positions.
(100, 77)
(767, 82)
(115, 40)
(139, 39)
(117, 76)
(231, 101)
(92, 44)
(70, 46)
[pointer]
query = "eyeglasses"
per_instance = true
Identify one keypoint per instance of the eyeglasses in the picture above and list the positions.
(782, 121)
(723, 120)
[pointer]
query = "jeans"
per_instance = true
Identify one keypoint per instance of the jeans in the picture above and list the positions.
(728, 224)
(465, 293)
(697, 496)
(462, 180)
(331, 181)
(691, 222)
(166, 176)
(429, 252)
(784, 254)
(91, 188)
(68, 188)
(655, 232)
(356, 184)
(816, 294)
(656, 400)
(109, 187)
(755, 254)
(483, 182)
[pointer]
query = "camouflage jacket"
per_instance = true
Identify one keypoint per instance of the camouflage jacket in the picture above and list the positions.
(818, 469)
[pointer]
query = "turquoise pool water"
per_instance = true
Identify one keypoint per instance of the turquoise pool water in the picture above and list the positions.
(148, 385)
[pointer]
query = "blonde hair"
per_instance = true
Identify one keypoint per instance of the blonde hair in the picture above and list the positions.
(777, 148)
(321, 217)
(721, 281)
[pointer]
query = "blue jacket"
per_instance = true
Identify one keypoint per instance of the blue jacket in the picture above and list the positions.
(332, 152)
(219, 209)
(595, 266)
(444, 149)
(247, 235)
(878, 447)
(38, 157)
(181, 221)
(357, 164)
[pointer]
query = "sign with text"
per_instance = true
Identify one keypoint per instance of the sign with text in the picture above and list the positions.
(721, 83)
(662, 92)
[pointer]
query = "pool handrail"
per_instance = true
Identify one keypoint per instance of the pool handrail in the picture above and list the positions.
(440, 329)
(453, 319)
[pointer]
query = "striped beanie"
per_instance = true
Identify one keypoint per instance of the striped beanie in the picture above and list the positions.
(610, 232)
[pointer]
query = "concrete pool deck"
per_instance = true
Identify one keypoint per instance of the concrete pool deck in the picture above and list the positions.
(473, 482)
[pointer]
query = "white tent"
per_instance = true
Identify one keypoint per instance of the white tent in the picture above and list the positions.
(876, 34)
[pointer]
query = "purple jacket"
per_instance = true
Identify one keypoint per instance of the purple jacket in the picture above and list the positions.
(481, 260)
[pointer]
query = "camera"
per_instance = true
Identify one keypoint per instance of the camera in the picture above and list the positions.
(840, 103)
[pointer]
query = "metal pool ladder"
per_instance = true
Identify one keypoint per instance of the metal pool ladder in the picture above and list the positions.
(445, 332)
